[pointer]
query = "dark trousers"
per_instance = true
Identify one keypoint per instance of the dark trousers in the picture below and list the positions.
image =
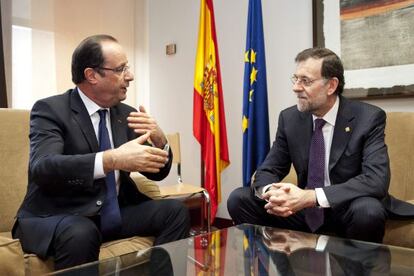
(362, 219)
(77, 239)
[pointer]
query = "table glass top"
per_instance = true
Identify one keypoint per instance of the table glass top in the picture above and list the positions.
(257, 250)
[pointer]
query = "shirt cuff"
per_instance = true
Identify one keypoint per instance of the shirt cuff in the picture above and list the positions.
(261, 190)
(98, 170)
(321, 243)
(321, 198)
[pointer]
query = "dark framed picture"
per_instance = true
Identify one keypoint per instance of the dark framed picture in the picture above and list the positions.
(375, 40)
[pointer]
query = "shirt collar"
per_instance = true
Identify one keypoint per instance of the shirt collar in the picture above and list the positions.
(330, 116)
(90, 105)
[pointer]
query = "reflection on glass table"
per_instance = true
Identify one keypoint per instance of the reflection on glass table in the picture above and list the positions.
(153, 261)
(257, 250)
(297, 253)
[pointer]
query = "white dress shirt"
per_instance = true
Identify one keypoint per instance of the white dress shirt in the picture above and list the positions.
(92, 108)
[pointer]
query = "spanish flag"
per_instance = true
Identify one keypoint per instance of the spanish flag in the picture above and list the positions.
(209, 124)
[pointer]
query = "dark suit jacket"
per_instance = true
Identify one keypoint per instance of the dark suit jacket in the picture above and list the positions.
(63, 146)
(358, 162)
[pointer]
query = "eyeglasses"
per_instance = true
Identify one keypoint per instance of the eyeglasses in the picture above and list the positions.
(119, 70)
(306, 82)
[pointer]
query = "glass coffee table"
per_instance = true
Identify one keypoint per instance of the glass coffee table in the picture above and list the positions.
(256, 250)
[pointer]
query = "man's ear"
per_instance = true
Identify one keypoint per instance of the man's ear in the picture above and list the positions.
(90, 75)
(333, 84)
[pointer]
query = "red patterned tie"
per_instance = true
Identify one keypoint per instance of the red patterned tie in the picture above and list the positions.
(316, 169)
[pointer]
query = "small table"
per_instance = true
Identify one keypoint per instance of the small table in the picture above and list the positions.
(256, 250)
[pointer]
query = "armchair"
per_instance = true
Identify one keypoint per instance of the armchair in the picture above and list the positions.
(182, 189)
(14, 155)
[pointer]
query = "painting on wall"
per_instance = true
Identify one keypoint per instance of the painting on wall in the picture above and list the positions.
(375, 40)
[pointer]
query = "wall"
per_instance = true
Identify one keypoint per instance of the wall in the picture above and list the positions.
(38, 55)
(141, 53)
(171, 77)
(77, 19)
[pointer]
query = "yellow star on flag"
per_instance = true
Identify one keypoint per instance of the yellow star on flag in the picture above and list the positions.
(245, 123)
(246, 56)
(253, 56)
(251, 95)
(253, 75)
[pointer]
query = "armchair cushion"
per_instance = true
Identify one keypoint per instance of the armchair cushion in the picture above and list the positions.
(11, 255)
(146, 186)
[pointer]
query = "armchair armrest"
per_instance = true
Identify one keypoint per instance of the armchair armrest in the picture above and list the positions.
(146, 186)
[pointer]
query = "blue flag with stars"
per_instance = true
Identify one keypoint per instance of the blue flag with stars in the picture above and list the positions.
(255, 123)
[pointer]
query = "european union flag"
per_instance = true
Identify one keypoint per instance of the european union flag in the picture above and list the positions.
(256, 142)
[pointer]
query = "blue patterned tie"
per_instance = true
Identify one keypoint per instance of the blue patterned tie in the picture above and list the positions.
(316, 169)
(110, 214)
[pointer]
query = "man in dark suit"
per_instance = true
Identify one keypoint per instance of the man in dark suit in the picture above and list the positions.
(350, 197)
(69, 174)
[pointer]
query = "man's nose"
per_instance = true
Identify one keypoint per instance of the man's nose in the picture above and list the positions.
(129, 76)
(297, 87)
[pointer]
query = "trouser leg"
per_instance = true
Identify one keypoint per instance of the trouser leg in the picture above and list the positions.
(364, 219)
(244, 207)
(76, 241)
(168, 220)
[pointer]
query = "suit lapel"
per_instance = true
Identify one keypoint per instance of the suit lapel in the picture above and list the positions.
(344, 126)
(118, 125)
(83, 119)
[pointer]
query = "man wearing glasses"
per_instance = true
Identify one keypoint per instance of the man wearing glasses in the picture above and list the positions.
(83, 144)
(337, 149)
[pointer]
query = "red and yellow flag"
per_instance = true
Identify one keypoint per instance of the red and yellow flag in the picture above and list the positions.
(210, 253)
(209, 125)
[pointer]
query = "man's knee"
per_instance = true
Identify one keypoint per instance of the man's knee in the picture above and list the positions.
(178, 211)
(78, 230)
(367, 220)
(182, 212)
(77, 240)
(367, 212)
(234, 200)
(242, 206)
(175, 223)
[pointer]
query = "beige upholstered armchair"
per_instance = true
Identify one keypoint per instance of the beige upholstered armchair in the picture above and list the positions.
(14, 154)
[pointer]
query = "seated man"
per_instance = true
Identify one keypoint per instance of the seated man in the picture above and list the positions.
(337, 149)
(83, 144)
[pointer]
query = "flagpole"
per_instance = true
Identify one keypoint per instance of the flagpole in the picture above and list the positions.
(202, 184)
(202, 169)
